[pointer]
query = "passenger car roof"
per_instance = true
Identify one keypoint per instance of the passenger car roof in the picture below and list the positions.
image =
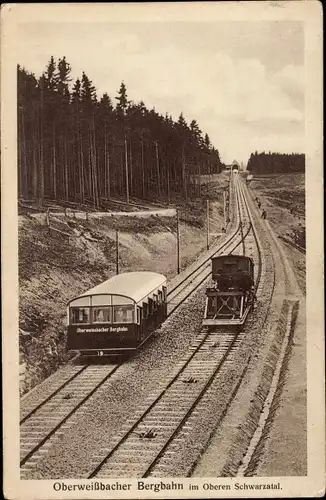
(135, 285)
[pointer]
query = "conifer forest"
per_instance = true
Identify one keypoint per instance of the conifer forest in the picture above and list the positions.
(77, 147)
(272, 163)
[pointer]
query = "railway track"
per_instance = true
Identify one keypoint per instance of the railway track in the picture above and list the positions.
(290, 310)
(49, 419)
(244, 455)
(147, 442)
(45, 418)
(265, 286)
(31, 402)
(144, 439)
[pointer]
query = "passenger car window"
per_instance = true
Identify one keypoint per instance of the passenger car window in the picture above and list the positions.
(123, 314)
(145, 310)
(80, 315)
(102, 315)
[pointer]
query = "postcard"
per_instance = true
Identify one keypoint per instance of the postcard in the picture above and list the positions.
(162, 255)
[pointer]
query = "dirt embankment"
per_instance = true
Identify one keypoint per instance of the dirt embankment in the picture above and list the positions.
(284, 450)
(283, 198)
(56, 266)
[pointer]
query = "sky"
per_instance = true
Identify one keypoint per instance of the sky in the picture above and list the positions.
(242, 81)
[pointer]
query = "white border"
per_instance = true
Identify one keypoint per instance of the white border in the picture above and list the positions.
(311, 13)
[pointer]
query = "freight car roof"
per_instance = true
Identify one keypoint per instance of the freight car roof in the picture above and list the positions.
(232, 257)
(135, 285)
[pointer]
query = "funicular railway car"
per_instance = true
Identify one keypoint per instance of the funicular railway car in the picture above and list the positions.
(231, 297)
(118, 315)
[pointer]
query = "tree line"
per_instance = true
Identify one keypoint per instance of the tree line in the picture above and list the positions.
(270, 163)
(74, 146)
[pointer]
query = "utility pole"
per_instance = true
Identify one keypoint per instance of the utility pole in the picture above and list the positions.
(126, 169)
(224, 209)
(117, 250)
(230, 199)
(207, 223)
(178, 243)
(168, 184)
(158, 169)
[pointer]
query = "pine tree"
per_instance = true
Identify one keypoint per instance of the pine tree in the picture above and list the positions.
(106, 119)
(79, 157)
(51, 75)
(63, 77)
(52, 116)
(88, 105)
(88, 92)
(122, 99)
(63, 80)
(121, 110)
(207, 142)
(183, 134)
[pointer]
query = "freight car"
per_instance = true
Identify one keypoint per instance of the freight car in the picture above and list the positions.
(231, 297)
(118, 315)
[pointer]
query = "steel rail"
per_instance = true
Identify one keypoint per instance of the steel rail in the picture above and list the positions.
(207, 384)
(148, 409)
(64, 420)
(225, 356)
(54, 393)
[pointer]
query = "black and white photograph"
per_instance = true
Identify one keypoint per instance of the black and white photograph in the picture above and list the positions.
(162, 258)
